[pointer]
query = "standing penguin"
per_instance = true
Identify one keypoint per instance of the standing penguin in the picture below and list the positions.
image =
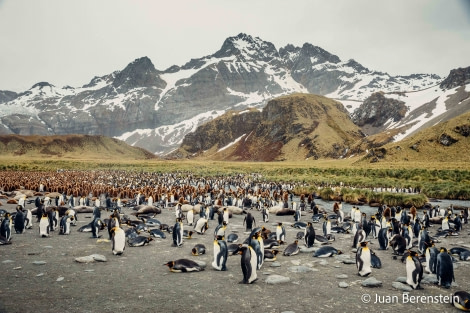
(309, 235)
(326, 227)
(28, 220)
(398, 244)
(19, 220)
(178, 233)
(260, 240)
(190, 217)
(423, 240)
(414, 270)
(280, 232)
(211, 213)
(249, 220)
(407, 233)
(119, 240)
(426, 222)
(73, 214)
(178, 211)
(444, 269)
(248, 264)
(297, 216)
(220, 255)
(383, 238)
(445, 223)
(265, 213)
(112, 222)
(359, 237)
(54, 219)
(255, 245)
(219, 232)
(226, 215)
(65, 222)
(431, 258)
(457, 222)
(96, 225)
(363, 259)
(6, 227)
(44, 225)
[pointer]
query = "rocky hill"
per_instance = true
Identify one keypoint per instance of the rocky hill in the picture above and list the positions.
(155, 109)
(70, 147)
(295, 127)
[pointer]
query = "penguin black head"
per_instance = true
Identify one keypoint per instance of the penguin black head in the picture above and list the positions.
(170, 264)
(363, 244)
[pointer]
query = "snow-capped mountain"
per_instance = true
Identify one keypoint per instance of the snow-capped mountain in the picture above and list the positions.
(155, 109)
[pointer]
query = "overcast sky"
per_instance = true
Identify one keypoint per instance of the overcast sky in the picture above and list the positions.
(68, 42)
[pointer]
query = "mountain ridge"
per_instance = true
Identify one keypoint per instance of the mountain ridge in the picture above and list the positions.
(155, 109)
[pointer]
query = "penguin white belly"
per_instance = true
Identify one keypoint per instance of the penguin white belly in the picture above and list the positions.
(119, 241)
(445, 224)
(426, 263)
(410, 268)
(254, 265)
(190, 217)
(216, 253)
(44, 227)
(29, 217)
(364, 267)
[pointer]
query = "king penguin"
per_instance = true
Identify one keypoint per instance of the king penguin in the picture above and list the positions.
(178, 233)
(19, 220)
(44, 225)
(363, 259)
(249, 221)
(444, 269)
(6, 227)
(280, 232)
(65, 224)
(119, 240)
(248, 264)
(309, 235)
(220, 255)
(414, 270)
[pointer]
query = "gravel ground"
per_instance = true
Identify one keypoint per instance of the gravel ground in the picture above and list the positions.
(41, 275)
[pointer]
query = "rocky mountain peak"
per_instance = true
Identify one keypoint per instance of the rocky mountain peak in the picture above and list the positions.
(41, 85)
(357, 66)
(138, 74)
(6, 96)
(456, 77)
(318, 55)
(247, 45)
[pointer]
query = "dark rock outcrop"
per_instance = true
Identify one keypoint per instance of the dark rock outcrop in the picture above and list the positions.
(377, 110)
(457, 77)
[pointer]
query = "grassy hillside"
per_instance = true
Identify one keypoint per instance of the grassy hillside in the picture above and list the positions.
(68, 147)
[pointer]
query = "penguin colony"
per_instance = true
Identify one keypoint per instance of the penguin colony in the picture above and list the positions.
(412, 238)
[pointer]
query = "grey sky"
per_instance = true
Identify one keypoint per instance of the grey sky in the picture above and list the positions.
(67, 42)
